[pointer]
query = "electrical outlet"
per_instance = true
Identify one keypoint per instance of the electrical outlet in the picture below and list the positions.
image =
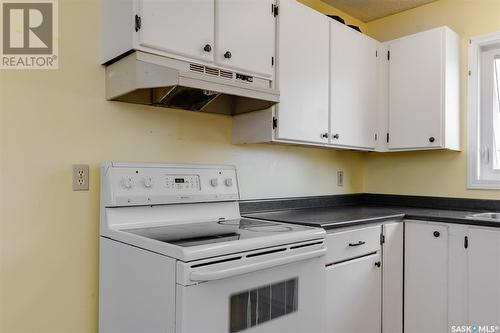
(80, 177)
(340, 178)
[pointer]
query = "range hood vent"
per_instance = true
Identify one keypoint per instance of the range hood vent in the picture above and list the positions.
(144, 78)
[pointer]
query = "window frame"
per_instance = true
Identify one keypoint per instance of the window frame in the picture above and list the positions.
(475, 95)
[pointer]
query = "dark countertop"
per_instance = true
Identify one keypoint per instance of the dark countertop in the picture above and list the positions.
(343, 216)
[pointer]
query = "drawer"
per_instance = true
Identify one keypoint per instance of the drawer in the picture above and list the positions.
(353, 243)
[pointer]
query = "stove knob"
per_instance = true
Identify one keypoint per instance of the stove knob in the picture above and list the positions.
(127, 182)
(214, 182)
(148, 182)
(228, 182)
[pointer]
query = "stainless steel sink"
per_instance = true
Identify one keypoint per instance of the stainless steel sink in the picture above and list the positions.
(494, 217)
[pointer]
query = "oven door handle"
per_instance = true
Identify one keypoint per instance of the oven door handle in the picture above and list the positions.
(248, 268)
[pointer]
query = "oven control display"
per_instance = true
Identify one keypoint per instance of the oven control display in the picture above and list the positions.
(183, 182)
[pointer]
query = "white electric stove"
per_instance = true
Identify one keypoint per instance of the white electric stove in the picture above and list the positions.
(176, 256)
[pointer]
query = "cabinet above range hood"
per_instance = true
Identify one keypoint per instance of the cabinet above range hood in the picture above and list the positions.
(144, 78)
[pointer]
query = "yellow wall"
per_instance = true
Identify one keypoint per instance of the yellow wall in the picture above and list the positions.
(52, 119)
(434, 173)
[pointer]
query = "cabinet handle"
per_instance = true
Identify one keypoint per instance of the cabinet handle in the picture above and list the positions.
(207, 48)
(357, 244)
(432, 139)
(336, 136)
(324, 135)
(228, 55)
(436, 234)
(377, 264)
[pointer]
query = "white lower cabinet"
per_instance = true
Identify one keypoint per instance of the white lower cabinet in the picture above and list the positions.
(451, 277)
(392, 277)
(426, 278)
(354, 289)
(356, 265)
(434, 277)
(484, 277)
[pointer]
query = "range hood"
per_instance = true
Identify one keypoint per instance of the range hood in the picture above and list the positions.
(149, 79)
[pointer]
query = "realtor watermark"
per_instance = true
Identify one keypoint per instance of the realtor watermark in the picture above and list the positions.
(474, 328)
(29, 38)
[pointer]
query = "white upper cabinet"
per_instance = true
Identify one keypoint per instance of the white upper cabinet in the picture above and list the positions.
(236, 35)
(353, 91)
(245, 35)
(382, 97)
(179, 27)
(338, 87)
(302, 78)
(424, 91)
(399, 95)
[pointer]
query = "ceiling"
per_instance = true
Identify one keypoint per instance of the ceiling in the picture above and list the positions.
(369, 10)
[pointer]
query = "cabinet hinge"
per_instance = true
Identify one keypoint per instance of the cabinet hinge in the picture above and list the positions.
(382, 239)
(274, 10)
(388, 55)
(376, 137)
(466, 242)
(387, 137)
(272, 61)
(275, 122)
(376, 53)
(470, 73)
(138, 23)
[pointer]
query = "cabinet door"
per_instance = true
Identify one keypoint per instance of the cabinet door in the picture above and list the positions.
(457, 276)
(179, 27)
(353, 87)
(245, 35)
(392, 271)
(354, 296)
(303, 62)
(426, 278)
(382, 97)
(484, 277)
(416, 81)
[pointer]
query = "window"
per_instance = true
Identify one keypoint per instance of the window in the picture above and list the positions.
(496, 117)
(484, 112)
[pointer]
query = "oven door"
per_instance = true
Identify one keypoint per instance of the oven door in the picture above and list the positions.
(274, 290)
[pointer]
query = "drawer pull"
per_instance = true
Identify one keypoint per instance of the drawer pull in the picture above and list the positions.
(357, 244)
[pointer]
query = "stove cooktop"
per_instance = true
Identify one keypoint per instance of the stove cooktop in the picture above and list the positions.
(195, 234)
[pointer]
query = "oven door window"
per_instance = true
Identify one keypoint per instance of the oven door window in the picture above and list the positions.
(256, 306)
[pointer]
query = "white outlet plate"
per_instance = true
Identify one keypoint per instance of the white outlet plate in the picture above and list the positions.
(340, 178)
(80, 177)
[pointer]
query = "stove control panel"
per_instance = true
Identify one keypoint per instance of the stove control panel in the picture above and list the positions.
(148, 184)
(183, 182)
